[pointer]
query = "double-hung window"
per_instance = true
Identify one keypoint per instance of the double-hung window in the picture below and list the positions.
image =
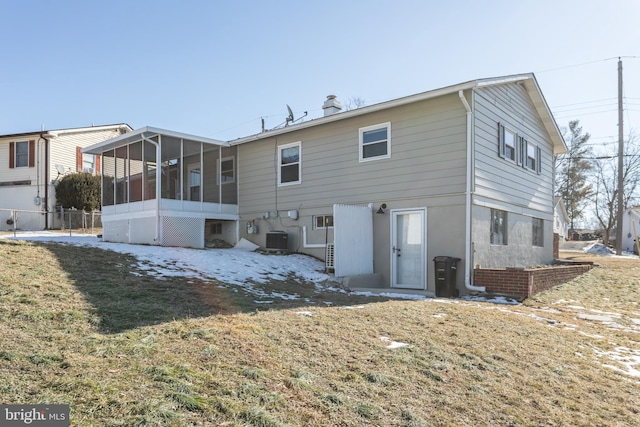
(290, 164)
(22, 154)
(532, 157)
(516, 148)
(498, 227)
(375, 142)
(508, 143)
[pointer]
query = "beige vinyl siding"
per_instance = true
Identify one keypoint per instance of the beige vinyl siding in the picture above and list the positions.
(501, 180)
(427, 159)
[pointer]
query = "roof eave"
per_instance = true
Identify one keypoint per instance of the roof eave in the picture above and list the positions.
(145, 132)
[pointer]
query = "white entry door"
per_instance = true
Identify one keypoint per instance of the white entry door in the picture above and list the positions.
(408, 249)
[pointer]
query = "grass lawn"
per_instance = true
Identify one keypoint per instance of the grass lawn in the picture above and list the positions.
(86, 327)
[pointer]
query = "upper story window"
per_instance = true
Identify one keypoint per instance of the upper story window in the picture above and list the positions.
(375, 142)
(532, 160)
(22, 154)
(518, 149)
(508, 143)
(289, 164)
(88, 163)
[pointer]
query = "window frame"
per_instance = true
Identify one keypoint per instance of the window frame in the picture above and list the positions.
(22, 155)
(362, 144)
(537, 232)
(502, 144)
(219, 179)
(281, 148)
(324, 222)
(502, 230)
(537, 154)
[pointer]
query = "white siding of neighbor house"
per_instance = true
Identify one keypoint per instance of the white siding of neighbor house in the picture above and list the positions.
(503, 184)
(63, 147)
(21, 197)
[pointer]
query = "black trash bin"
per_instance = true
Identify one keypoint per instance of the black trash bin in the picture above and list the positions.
(446, 268)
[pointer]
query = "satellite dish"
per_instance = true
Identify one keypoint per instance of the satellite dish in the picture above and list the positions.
(290, 118)
(60, 169)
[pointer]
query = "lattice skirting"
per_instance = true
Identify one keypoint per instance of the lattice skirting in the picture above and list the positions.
(182, 231)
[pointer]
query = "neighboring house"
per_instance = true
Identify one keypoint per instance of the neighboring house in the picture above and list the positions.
(629, 232)
(30, 165)
(464, 171)
(560, 219)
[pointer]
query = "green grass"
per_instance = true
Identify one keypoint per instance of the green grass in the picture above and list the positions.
(122, 349)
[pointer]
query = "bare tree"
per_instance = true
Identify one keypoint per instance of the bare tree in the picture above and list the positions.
(353, 103)
(605, 197)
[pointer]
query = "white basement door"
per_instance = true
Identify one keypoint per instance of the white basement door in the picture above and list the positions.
(353, 240)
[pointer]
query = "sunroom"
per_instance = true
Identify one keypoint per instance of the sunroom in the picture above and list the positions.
(167, 188)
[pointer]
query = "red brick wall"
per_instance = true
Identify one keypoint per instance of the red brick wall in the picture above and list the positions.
(524, 282)
(556, 245)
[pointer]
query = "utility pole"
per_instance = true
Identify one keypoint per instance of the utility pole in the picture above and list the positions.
(620, 164)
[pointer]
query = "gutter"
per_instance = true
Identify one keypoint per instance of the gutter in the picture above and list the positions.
(468, 249)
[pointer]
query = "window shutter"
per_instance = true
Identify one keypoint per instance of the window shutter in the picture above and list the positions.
(501, 149)
(98, 160)
(32, 153)
(538, 160)
(12, 155)
(78, 159)
(521, 149)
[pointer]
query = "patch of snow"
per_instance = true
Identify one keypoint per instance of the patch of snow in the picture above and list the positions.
(598, 249)
(393, 344)
(440, 315)
(392, 295)
(628, 358)
(305, 313)
(492, 299)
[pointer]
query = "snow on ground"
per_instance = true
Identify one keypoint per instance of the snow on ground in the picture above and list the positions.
(232, 266)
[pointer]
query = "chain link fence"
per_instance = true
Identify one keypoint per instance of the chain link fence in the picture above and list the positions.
(71, 220)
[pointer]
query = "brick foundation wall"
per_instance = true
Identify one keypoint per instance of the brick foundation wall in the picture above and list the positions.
(556, 245)
(524, 282)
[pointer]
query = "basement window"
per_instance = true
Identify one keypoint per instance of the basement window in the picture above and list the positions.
(375, 142)
(537, 232)
(321, 222)
(498, 227)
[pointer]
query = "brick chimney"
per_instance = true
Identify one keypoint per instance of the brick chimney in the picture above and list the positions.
(331, 106)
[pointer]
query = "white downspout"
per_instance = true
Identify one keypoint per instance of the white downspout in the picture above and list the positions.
(467, 227)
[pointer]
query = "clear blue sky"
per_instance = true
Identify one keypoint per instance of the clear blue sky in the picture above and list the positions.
(214, 68)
